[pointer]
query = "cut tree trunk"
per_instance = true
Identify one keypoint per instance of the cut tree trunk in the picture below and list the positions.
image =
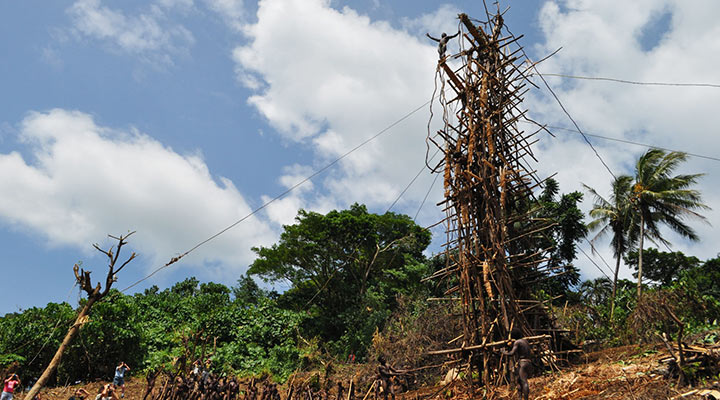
(614, 293)
(69, 336)
(640, 253)
(94, 294)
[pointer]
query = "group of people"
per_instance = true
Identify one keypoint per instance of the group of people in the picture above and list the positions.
(105, 392)
(108, 391)
(199, 384)
(202, 385)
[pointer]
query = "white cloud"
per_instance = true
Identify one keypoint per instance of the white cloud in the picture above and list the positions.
(305, 196)
(150, 33)
(182, 4)
(332, 78)
(444, 19)
(284, 210)
(86, 181)
(156, 33)
(231, 11)
(51, 56)
(605, 39)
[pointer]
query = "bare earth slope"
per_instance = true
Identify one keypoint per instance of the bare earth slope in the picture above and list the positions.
(628, 372)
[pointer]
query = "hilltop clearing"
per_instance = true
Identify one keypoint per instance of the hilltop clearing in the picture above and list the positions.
(628, 372)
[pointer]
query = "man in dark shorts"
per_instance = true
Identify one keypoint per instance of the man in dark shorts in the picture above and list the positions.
(119, 379)
(523, 367)
(385, 372)
(442, 42)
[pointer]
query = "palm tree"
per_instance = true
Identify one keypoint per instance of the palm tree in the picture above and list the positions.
(595, 292)
(612, 216)
(660, 198)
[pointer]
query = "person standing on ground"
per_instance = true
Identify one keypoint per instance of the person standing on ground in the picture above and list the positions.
(205, 374)
(385, 372)
(119, 379)
(523, 367)
(196, 368)
(9, 388)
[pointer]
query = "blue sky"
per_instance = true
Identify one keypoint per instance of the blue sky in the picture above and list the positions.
(175, 118)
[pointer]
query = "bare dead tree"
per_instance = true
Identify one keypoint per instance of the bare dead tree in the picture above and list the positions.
(94, 294)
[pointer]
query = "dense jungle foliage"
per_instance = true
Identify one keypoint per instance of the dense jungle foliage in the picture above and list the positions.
(693, 295)
(357, 291)
(351, 271)
(347, 268)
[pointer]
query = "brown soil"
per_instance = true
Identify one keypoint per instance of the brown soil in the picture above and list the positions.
(134, 390)
(628, 372)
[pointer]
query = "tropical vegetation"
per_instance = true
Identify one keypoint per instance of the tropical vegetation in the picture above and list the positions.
(356, 290)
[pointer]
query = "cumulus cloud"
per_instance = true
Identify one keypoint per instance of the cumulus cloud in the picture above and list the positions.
(606, 39)
(283, 211)
(231, 11)
(82, 181)
(149, 33)
(444, 19)
(331, 78)
(156, 32)
(183, 4)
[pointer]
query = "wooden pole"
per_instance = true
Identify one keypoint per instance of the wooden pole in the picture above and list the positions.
(485, 346)
(94, 295)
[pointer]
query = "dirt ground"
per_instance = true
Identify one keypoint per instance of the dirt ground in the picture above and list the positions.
(629, 372)
(619, 373)
(134, 390)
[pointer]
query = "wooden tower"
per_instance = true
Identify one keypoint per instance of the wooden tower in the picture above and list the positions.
(491, 248)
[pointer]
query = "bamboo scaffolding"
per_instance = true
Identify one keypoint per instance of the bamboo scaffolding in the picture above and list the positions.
(500, 343)
(488, 191)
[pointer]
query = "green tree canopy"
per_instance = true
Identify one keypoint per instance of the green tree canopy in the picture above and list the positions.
(563, 236)
(247, 291)
(660, 266)
(250, 335)
(703, 281)
(346, 268)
